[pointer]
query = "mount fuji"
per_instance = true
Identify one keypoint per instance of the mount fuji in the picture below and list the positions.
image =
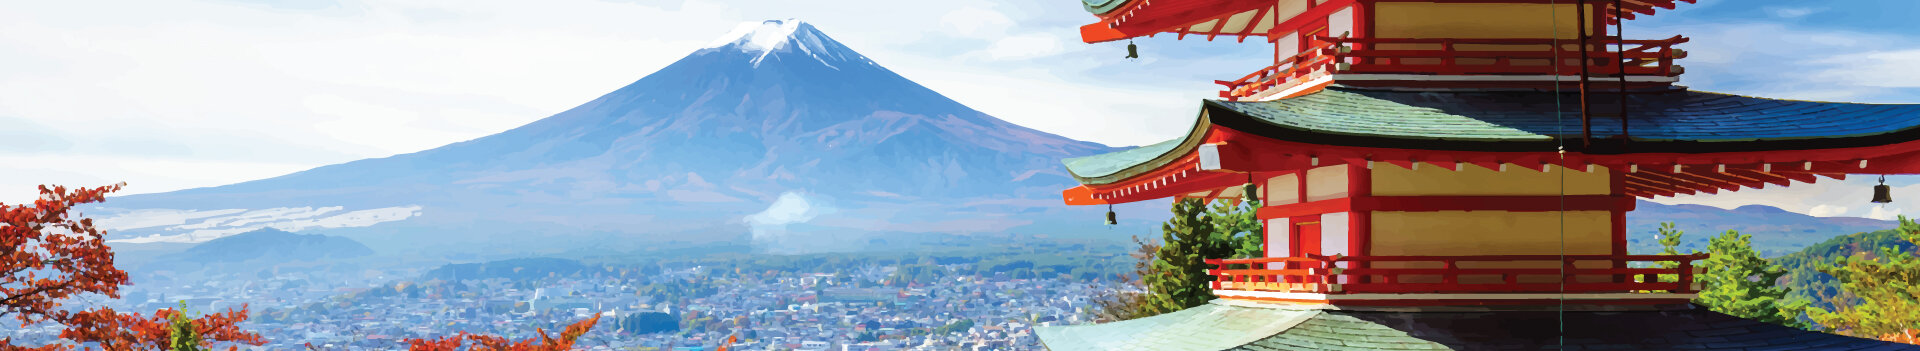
(775, 135)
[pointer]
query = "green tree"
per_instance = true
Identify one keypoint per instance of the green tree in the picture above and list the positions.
(1882, 295)
(182, 335)
(1179, 278)
(1738, 282)
(1239, 223)
(1669, 245)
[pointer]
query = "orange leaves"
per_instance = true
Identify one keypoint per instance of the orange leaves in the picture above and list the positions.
(115, 331)
(496, 343)
(46, 255)
(1909, 336)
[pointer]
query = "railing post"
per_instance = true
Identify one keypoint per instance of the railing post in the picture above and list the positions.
(1666, 59)
(1686, 276)
(1451, 276)
(1568, 269)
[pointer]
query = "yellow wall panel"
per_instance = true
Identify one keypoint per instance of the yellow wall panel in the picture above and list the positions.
(1282, 190)
(1327, 183)
(1481, 233)
(1459, 20)
(1475, 180)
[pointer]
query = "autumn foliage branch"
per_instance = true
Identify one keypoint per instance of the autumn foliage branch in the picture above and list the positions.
(496, 343)
(50, 253)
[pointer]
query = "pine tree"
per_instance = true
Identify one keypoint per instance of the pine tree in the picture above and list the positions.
(1669, 245)
(1172, 272)
(1239, 223)
(1884, 293)
(1738, 282)
(1179, 278)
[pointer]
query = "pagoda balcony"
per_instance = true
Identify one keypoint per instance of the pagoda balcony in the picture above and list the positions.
(1458, 280)
(1460, 62)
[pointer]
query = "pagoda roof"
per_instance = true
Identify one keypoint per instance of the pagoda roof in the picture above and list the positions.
(1676, 121)
(1225, 326)
(1101, 7)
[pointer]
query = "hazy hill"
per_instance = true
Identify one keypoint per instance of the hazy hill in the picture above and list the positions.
(1775, 231)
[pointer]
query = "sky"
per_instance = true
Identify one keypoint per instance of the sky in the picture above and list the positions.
(176, 94)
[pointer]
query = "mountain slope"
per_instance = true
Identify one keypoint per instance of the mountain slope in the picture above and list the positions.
(1775, 231)
(686, 153)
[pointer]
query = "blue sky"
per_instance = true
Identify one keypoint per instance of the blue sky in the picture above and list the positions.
(177, 94)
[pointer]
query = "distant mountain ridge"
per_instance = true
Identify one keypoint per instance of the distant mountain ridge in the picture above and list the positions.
(1775, 231)
(274, 245)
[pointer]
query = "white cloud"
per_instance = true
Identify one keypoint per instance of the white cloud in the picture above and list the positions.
(1026, 46)
(975, 22)
(1793, 12)
(1872, 69)
(169, 225)
(1883, 213)
(1825, 210)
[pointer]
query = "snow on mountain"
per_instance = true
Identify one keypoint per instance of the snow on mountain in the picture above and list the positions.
(789, 35)
(774, 113)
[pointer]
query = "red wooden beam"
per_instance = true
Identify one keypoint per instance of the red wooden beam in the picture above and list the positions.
(1760, 176)
(1802, 177)
(1515, 203)
(1657, 185)
(1730, 177)
(1717, 183)
(1679, 183)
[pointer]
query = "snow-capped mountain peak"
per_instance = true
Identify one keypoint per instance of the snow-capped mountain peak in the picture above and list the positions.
(768, 37)
(759, 36)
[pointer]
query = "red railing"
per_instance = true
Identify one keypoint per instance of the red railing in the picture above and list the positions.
(1452, 56)
(1457, 274)
(1301, 67)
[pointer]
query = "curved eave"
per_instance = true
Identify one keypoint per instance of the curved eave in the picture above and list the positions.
(1691, 128)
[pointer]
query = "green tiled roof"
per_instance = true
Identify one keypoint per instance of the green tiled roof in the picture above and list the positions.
(1208, 327)
(1228, 327)
(1099, 7)
(1677, 121)
(1107, 164)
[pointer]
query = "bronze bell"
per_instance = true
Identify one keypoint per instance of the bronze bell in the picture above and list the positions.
(1110, 218)
(1133, 51)
(1882, 193)
(1250, 193)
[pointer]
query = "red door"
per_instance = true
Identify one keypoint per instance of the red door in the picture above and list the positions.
(1303, 240)
(1305, 236)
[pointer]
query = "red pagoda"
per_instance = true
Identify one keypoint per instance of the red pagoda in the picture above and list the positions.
(1455, 174)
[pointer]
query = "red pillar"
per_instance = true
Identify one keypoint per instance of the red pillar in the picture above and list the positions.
(1360, 222)
(1617, 182)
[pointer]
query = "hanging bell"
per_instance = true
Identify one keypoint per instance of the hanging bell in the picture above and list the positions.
(1250, 193)
(1110, 218)
(1882, 193)
(1133, 51)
